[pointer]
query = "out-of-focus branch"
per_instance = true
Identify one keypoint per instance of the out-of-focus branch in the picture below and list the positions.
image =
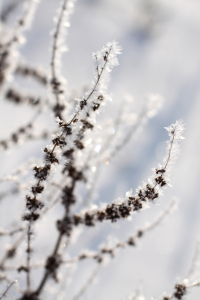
(28, 71)
(9, 9)
(87, 284)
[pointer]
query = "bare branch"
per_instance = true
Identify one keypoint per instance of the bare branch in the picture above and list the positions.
(6, 291)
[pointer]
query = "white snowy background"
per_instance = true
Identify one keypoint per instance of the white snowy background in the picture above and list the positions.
(161, 55)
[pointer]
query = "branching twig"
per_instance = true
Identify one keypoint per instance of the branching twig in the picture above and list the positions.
(131, 241)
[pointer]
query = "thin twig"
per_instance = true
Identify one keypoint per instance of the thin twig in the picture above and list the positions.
(54, 79)
(87, 283)
(6, 291)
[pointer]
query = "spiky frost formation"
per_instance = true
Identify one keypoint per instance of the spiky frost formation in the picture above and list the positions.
(112, 245)
(89, 105)
(149, 192)
(10, 41)
(57, 81)
(175, 132)
(69, 132)
(69, 136)
(161, 176)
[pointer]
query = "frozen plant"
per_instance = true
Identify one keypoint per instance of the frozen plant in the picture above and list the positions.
(44, 238)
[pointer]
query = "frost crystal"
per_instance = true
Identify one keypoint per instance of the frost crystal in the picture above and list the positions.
(175, 132)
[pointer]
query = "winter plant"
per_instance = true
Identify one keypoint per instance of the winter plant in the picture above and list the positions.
(55, 192)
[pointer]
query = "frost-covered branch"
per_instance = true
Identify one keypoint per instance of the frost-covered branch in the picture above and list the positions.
(131, 241)
(10, 232)
(22, 131)
(79, 145)
(11, 251)
(58, 47)
(66, 138)
(180, 290)
(35, 73)
(149, 192)
(119, 136)
(8, 44)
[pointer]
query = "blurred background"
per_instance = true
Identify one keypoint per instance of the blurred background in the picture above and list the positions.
(160, 55)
